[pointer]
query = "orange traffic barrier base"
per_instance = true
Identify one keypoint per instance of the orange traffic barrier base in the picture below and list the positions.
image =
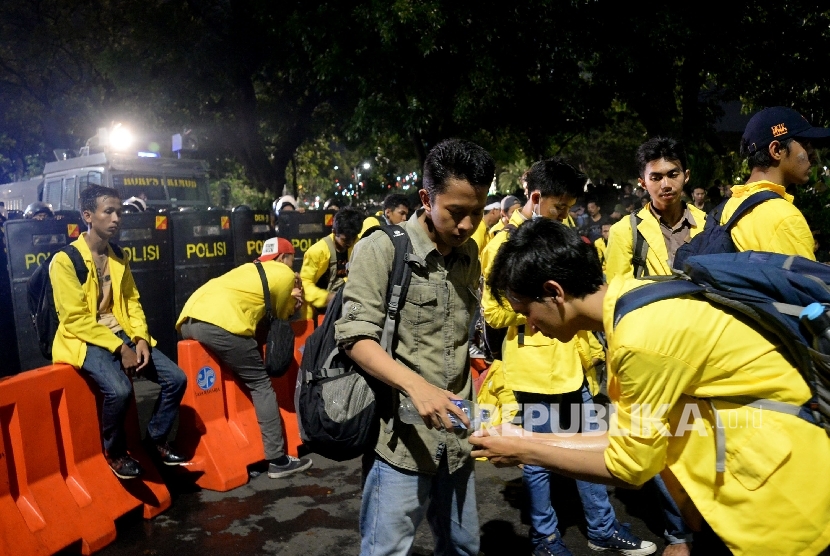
(218, 427)
(56, 488)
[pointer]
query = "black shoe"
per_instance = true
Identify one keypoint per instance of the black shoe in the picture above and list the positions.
(166, 454)
(294, 465)
(125, 467)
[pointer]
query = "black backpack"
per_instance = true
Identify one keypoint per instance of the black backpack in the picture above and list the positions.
(335, 399)
(715, 237)
(279, 341)
(42, 301)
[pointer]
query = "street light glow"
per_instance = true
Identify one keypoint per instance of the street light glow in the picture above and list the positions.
(366, 165)
(120, 138)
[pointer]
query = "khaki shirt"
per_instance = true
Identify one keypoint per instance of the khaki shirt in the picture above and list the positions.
(432, 335)
(677, 235)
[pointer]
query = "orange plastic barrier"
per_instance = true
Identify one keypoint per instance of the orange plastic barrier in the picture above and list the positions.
(217, 421)
(56, 489)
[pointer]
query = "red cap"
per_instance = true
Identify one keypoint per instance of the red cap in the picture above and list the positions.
(275, 247)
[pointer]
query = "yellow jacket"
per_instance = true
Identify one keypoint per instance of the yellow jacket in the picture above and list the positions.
(497, 227)
(315, 264)
(77, 307)
(234, 300)
(774, 497)
(372, 221)
(775, 225)
(601, 248)
(620, 244)
(540, 365)
(481, 237)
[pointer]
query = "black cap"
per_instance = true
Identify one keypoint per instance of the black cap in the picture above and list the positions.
(776, 124)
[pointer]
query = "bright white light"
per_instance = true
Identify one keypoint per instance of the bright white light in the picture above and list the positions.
(337, 167)
(366, 165)
(399, 178)
(120, 138)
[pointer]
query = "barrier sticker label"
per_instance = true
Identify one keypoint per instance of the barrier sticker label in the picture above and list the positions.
(72, 230)
(226, 222)
(206, 378)
(329, 219)
(161, 222)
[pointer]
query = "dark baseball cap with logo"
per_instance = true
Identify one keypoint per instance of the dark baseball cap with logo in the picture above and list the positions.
(777, 124)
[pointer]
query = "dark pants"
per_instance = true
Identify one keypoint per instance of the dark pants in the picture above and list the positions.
(241, 354)
(104, 368)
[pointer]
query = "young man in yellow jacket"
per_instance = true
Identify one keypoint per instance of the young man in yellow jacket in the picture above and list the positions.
(103, 332)
(773, 496)
(325, 264)
(777, 144)
(223, 315)
(664, 224)
(547, 375)
(395, 210)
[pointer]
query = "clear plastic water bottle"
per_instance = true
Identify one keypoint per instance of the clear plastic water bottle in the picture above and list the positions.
(815, 318)
(409, 415)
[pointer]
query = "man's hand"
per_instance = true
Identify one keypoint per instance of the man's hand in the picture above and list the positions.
(297, 294)
(501, 445)
(129, 360)
(433, 405)
(142, 351)
(329, 298)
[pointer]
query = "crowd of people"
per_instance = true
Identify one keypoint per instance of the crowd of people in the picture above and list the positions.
(552, 266)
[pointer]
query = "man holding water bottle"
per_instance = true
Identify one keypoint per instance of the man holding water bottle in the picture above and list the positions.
(423, 469)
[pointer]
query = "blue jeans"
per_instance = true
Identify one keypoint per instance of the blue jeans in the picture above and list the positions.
(677, 532)
(395, 501)
(104, 368)
(599, 514)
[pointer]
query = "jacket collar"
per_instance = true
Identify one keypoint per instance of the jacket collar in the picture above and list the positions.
(739, 191)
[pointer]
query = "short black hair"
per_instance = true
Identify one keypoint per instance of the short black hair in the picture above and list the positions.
(348, 221)
(459, 159)
(660, 147)
(553, 177)
(761, 158)
(394, 200)
(542, 250)
(90, 196)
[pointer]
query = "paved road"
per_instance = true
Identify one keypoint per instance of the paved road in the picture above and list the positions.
(316, 513)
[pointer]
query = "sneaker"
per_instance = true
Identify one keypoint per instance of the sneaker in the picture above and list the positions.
(125, 467)
(476, 352)
(623, 541)
(552, 546)
(294, 465)
(167, 455)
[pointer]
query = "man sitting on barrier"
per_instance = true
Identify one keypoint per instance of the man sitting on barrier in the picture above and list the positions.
(103, 332)
(223, 315)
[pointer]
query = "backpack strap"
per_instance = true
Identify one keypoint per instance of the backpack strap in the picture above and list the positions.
(639, 248)
(750, 203)
(81, 271)
(330, 274)
(398, 280)
(654, 291)
(266, 291)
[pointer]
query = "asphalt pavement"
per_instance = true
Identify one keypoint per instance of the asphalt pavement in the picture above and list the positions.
(316, 513)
